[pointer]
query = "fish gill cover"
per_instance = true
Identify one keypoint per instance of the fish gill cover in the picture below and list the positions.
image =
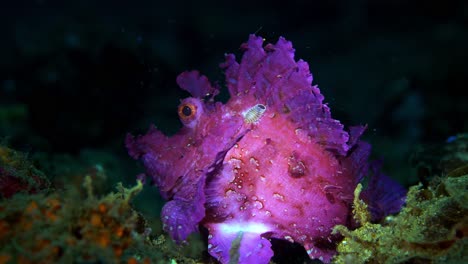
(269, 163)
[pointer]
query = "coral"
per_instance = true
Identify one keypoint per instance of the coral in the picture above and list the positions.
(440, 159)
(432, 227)
(77, 224)
(18, 174)
(63, 230)
(65, 169)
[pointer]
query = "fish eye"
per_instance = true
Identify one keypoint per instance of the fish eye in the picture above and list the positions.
(190, 110)
(187, 112)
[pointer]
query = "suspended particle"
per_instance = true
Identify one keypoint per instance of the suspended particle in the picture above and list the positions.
(252, 115)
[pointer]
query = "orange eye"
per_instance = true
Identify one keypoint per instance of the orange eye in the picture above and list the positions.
(187, 112)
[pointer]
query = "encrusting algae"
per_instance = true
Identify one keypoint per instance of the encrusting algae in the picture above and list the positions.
(66, 230)
(432, 227)
(75, 225)
(17, 174)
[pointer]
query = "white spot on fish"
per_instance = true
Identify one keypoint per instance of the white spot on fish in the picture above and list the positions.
(278, 196)
(258, 205)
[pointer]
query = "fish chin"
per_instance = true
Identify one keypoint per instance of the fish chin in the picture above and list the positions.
(239, 242)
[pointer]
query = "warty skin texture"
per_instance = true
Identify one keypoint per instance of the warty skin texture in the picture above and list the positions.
(288, 172)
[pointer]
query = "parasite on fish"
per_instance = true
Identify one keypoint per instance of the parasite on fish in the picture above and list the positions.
(254, 114)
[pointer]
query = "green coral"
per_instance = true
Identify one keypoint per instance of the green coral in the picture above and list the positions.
(432, 227)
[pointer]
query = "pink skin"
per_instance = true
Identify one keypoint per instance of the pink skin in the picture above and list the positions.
(282, 180)
(288, 173)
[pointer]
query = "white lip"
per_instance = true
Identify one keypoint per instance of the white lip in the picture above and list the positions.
(244, 227)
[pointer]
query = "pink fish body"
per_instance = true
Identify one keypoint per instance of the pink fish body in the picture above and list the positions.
(270, 163)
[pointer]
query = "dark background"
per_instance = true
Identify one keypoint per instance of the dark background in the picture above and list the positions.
(77, 76)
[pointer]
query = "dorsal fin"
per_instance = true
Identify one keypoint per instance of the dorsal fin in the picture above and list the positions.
(272, 76)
